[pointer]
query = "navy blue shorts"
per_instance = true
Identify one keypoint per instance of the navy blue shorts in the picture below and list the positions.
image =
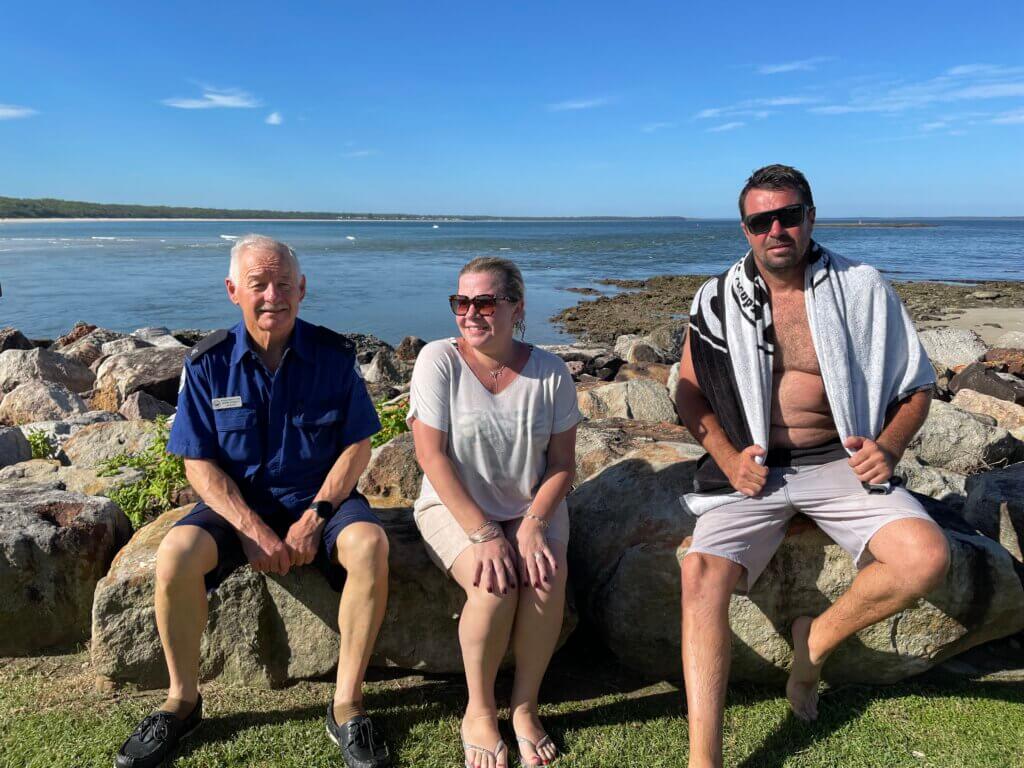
(230, 555)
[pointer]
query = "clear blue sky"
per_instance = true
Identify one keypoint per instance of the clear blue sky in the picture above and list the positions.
(529, 108)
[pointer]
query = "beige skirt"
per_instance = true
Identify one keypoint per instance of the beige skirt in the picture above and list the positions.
(445, 539)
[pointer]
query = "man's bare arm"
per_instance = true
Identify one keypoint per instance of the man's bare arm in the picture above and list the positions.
(875, 460)
(744, 473)
(345, 473)
(262, 547)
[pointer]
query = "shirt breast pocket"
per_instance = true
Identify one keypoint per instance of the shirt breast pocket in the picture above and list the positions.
(237, 435)
(317, 432)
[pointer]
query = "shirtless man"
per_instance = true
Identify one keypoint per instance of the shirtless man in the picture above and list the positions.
(806, 467)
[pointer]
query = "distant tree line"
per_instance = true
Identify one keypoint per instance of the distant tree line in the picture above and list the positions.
(49, 208)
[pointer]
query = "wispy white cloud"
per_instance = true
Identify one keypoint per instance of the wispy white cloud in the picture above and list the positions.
(274, 118)
(360, 153)
(216, 98)
(803, 65)
(934, 126)
(726, 127)
(576, 104)
(966, 82)
(1009, 118)
(14, 112)
(755, 107)
(654, 127)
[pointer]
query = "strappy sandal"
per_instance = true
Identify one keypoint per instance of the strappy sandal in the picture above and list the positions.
(498, 749)
(536, 747)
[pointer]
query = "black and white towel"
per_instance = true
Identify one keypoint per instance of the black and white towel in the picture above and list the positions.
(867, 348)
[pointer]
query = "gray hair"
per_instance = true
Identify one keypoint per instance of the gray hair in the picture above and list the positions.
(261, 243)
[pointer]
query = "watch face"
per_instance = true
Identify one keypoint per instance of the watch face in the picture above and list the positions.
(324, 509)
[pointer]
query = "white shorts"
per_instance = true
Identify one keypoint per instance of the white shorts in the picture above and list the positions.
(749, 530)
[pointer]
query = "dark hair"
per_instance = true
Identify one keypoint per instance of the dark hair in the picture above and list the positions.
(778, 177)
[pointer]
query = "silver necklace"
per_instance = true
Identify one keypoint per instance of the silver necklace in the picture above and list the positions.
(494, 376)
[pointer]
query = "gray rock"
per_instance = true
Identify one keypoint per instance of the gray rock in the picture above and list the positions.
(59, 431)
(154, 370)
(936, 483)
(14, 447)
(1011, 340)
(950, 347)
(627, 585)
(668, 339)
(979, 378)
(39, 401)
(123, 346)
(575, 352)
(265, 631)
(41, 474)
(995, 506)
(93, 445)
(49, 474)
(12, 338)
(54, 547)
(142, 405)
(383, 369)
(18, 366)
(166, 341)
(89, 348)
(951, 439)
(89, 481)
(148, 334)
(639, 399)
(673, 382)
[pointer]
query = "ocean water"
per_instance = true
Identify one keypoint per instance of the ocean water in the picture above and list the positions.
(392, 279)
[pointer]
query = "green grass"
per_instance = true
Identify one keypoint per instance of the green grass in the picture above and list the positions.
(51, 716)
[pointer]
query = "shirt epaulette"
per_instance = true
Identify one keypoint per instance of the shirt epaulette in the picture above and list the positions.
(334, 339)
(207, 343)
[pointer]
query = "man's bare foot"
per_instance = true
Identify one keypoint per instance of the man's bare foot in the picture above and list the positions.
(535, 746)
(802, 686)
(482, 742)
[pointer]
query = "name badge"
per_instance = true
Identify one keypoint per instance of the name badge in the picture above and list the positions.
(223, 403)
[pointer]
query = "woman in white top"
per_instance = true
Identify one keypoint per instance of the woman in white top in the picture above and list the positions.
(494, 422)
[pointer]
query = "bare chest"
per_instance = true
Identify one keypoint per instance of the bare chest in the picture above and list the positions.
(794, 348)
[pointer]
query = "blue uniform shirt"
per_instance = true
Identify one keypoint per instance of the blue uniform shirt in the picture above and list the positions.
(277, 435)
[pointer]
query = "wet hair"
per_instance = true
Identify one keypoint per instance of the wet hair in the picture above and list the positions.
(261, 243)
(778, 177)
(511, 277)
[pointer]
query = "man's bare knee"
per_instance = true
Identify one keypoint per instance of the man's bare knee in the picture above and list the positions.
(708, 580)
(928, 564)
(186, 552)
(362, 548)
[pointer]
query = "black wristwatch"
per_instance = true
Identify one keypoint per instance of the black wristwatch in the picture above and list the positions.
(324, 510)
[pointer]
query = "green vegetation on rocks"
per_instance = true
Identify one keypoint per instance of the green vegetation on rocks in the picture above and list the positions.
(163, 475)
(392, 420)
(41, 444)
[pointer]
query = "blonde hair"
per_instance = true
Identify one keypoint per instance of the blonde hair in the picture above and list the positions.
(511, 277)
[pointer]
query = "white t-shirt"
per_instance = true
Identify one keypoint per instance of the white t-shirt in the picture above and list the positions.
(497, 442)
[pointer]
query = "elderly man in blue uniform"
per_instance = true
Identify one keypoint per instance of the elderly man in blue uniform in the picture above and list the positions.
(274, 424)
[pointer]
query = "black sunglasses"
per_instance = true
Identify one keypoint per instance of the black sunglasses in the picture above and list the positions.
(789, 216)
(485, 303)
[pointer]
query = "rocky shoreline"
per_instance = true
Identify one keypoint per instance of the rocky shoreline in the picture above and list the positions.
(72, 568)
(643, 306)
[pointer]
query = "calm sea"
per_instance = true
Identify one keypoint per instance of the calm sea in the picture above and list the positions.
(392, 279)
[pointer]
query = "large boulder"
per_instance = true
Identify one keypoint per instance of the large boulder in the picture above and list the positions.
(1011, 339)
(1012, 358)
(41, 474)
(79, 330)
(123, 346)
(14, 446)
(18, 366)
(950, 347)
(87, 349)
(39, 401)
(267, 630)
(12, 338)
(628, 587)
(979, 378)
(393, 477)
(995, 506)
(54, 547)
(936, 483)
(1006, 414)
(57, 432)
(658, 372)
(154, 370)
(409, 349)
(952, 439)
(142, 405)
(601, 442)
(50, 474)
(93, 445)
(638, 399)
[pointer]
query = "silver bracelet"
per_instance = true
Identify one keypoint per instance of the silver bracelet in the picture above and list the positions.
(486, 531)
(544, 524)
